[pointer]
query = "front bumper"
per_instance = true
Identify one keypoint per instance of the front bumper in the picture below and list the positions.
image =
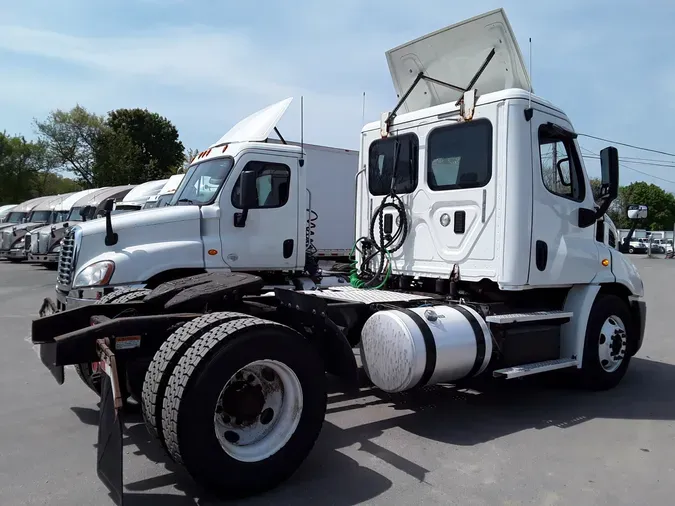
(77, 298)
(50, 258)
(15, 254)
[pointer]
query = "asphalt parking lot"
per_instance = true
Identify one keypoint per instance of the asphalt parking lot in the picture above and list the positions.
(514, 443)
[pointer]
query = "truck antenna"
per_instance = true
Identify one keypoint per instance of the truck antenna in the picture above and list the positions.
(363, 110)
(529, 112)
(302, 131)
(530, 102)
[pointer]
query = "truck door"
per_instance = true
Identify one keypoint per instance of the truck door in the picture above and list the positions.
(561, 252)
(269, 238)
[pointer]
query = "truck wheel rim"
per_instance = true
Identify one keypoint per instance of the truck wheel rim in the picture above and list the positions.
(258, 410)
(612, 344)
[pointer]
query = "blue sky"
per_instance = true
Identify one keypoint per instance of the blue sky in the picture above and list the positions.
(205, 64)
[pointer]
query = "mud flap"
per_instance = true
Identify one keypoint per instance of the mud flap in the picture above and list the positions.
(109, 450)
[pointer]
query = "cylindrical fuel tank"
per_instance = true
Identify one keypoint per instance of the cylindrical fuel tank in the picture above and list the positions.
(407, 348)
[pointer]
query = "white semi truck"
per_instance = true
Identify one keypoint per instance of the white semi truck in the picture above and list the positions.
(197, 233)
(475, 255)
(44, 238)
(163, 198)
(138, 196)
(45, 243)
(12, 239)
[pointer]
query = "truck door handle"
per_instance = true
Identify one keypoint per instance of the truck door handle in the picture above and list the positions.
(541, 255)
(288, 248)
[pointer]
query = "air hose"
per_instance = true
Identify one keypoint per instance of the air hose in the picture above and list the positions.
(383, 244)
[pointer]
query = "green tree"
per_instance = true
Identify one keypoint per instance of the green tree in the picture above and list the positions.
(70, 137)
(117, 160)
(150, 143)
(661, 206)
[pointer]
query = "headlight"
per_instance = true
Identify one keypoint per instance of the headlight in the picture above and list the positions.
(19, 244)
(95, 275)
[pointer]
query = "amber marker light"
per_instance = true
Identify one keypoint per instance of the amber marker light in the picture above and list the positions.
(605, 262)
(213, 252)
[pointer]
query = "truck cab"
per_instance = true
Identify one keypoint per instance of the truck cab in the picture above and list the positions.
(163, 198)
(41, 244)
(19, 214)
(12, 244)
(138, 197)
(298, 204)
(5, 210)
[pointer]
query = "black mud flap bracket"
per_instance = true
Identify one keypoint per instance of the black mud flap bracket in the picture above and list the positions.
(109, 448)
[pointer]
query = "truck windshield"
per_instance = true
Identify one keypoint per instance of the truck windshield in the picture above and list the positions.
(74, 214)
(15, 217)
(202, 182)
(164, 200)
(40, 216)
(60, 216)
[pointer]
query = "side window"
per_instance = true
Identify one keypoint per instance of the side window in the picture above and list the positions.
(460, 156)
(272, 181)
(560, 166)
(404, 149)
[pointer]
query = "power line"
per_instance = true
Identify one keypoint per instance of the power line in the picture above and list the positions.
(652, 164)
(627, 145)
(623, 164)
(646, 173)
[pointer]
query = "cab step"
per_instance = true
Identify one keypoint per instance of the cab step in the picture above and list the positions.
(505, 319)
(535, 368)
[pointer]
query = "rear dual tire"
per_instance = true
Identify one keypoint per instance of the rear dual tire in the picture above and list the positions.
(243, 403)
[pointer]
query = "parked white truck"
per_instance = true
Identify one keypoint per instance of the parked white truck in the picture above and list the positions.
(163, 198)
(20, 213)
(138, 196)
(12, 239)
(48, 246)
(44, 238)
(5, 210)
(475, 255)
(197, 232)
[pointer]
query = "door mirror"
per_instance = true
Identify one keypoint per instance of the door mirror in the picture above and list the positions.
(609, 166)
(248, 190)
(637, 212)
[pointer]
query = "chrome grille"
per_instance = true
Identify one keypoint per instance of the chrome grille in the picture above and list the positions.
(26, 241)
(42, 245)
(7, 238)
(66, 260)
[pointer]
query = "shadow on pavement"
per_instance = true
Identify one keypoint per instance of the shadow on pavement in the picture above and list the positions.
(464, 417)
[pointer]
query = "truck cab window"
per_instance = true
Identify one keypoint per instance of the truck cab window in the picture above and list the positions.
(272, 182)
(202, 182)
(460, 156)
(560, 165)
(381, 158)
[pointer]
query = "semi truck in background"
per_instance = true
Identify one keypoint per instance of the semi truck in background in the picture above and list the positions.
(470, 258)
(12, 239)
(163, 198)
(138, 196)
(5, 210)
(20, 213)
(46, 247)
(61, 212)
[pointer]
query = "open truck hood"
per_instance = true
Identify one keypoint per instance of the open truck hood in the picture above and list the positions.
(257, 127)
(454, 55)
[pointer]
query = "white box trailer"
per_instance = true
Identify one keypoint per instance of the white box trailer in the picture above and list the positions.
(331, 185)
